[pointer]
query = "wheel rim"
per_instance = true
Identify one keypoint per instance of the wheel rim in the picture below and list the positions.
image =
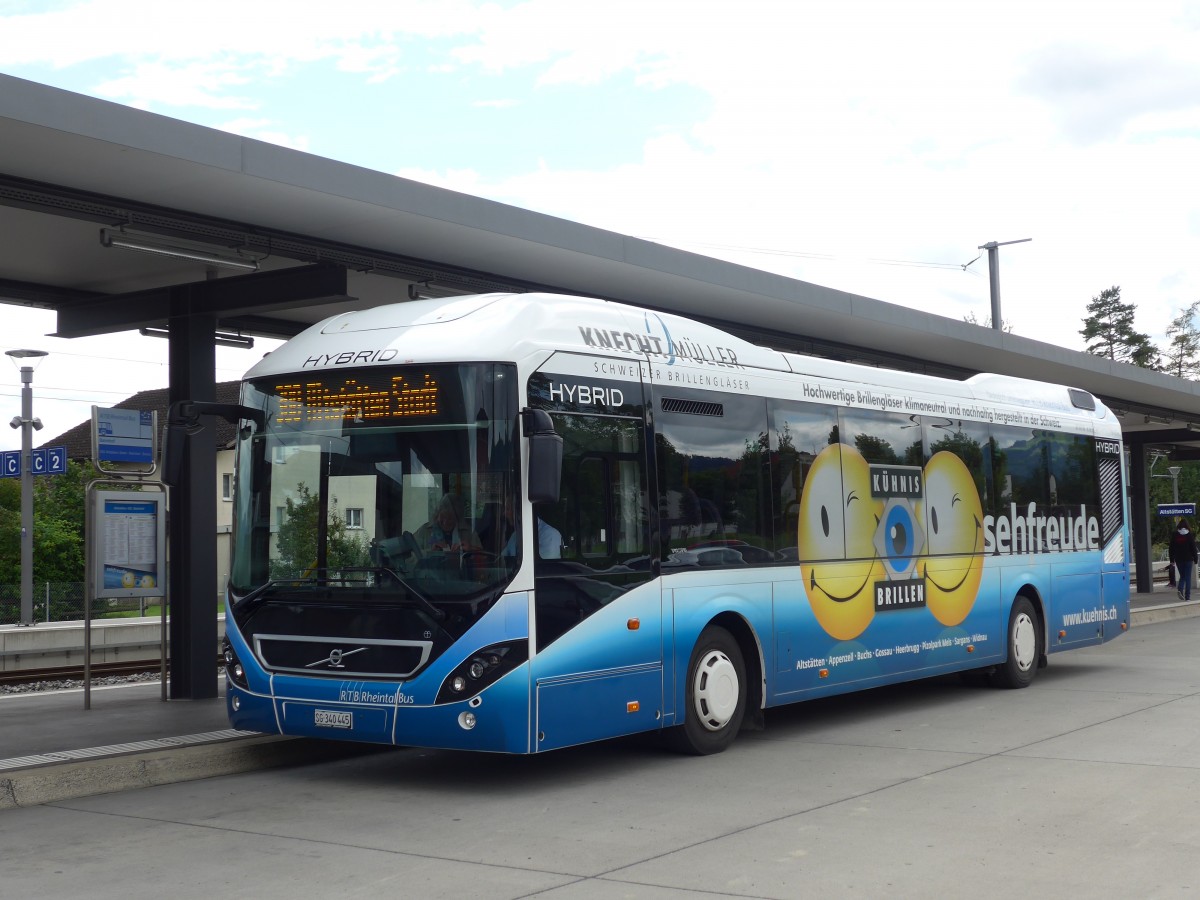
(715, 690)
(1024, 642)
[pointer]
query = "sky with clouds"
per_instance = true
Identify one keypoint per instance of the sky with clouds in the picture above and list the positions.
(866, 146)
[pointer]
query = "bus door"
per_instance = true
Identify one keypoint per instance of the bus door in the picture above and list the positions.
(1114, 534)
(1083, 536)
(597, 667)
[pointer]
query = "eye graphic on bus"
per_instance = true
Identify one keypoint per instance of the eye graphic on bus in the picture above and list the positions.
(899, 538)
(952, 564)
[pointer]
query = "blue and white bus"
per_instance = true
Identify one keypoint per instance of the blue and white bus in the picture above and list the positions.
(522, 522)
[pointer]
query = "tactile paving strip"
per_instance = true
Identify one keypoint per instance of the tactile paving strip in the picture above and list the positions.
(168, 743)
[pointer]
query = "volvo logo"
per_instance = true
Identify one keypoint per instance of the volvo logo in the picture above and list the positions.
(335, 657)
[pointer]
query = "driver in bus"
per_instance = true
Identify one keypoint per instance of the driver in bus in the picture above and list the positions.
(446, 531)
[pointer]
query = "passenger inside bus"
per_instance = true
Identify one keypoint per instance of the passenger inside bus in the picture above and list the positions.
(549, 538)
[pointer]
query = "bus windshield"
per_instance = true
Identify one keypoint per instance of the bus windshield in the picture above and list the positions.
(393, 479)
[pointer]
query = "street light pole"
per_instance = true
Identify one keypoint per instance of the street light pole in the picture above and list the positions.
(1174, 471)
(27, 423)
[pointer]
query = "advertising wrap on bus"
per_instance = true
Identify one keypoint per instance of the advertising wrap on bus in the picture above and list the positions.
(521, 522)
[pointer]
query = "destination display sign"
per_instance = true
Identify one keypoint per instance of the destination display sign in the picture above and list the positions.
(367, 399)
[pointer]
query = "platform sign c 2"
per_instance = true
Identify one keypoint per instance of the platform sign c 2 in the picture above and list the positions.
(50, 461)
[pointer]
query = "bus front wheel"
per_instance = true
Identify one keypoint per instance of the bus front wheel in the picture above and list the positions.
(1024, 646)
(715, 702)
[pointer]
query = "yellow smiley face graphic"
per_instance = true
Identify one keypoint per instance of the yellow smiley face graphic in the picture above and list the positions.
(838, 520)
(953, 515)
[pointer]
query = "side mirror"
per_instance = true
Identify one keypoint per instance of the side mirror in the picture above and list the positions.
(183, 422)
(174, 442)
(545, 455)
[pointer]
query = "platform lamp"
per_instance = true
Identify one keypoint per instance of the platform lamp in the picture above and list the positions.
(1174, 471)
(28, 424)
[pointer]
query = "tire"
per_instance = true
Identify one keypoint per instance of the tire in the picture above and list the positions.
(1024, 647)
(714, 697)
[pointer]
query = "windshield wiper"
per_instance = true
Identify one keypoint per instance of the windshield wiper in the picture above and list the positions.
(378, 571)
(259, 594)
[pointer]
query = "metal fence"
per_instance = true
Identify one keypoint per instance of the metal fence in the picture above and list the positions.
(55, 601)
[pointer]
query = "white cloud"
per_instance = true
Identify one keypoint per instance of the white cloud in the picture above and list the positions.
(836, 135)
(196, 85)
(167, 55)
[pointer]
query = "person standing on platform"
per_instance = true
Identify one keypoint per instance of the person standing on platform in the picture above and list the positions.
(1183, 554)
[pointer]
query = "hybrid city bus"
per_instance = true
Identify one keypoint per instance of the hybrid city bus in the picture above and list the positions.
(519, 522)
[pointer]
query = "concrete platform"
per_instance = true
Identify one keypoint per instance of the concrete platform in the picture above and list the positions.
(51, 748)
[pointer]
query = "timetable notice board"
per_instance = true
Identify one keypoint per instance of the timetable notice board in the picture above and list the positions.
(129, 547)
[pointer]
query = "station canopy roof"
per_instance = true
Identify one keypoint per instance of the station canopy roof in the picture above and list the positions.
(77, 174)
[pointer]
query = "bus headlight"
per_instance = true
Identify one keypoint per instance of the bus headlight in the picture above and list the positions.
(482, 669)
(233, 666)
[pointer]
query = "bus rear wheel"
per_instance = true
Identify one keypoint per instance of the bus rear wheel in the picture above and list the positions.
(715, 701)
(1024, 647)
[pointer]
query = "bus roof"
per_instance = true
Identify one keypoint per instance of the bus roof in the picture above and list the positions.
(515, 327)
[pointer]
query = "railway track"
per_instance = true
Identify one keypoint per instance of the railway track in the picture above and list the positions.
(55, 651)
(54, 674)
(75, 673)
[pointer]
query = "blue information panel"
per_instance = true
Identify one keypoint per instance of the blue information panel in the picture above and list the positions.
(10, 461)
(124, 440)
(124, 435)
(1167, 510)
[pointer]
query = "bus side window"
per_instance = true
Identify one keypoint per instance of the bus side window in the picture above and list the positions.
(714, 479)
(799, 432)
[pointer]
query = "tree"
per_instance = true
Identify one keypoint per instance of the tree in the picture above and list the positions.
(299, 536)
(58, 526)
(1108, 329)
(1183, 353)
(971, 319)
